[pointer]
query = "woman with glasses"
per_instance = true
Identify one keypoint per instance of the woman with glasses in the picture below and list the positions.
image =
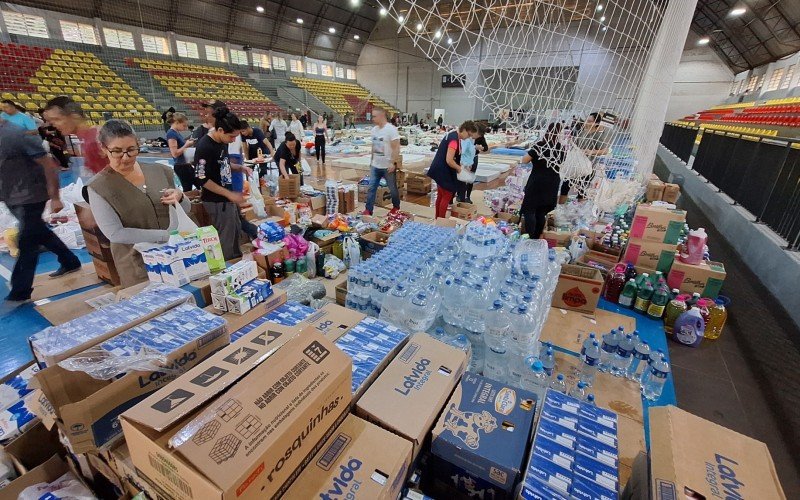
(130, 202)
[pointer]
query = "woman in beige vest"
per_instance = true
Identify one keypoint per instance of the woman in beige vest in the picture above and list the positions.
(130, 202)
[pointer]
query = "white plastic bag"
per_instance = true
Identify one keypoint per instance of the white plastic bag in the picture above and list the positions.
(70, 233)
(185, 223)
(67, 486)
(351, 251)
(576, 164)
(255, 199)
(306, 168)
(466, 175)
(311, 259)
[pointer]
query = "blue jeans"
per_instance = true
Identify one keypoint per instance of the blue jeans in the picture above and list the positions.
(374, 181)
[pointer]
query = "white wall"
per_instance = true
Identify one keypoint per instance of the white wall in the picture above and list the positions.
(702, 80)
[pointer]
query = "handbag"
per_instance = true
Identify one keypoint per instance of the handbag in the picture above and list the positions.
(576, 164)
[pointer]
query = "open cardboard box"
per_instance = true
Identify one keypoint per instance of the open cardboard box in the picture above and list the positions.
(236, 427)
(47, 472)
(578, 288)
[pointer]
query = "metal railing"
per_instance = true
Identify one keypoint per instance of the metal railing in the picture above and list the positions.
(762, 174)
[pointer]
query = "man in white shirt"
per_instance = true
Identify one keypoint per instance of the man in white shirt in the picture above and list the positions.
(385, 153)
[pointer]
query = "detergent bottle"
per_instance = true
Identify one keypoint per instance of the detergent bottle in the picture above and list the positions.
(695, 246)
(689, 328)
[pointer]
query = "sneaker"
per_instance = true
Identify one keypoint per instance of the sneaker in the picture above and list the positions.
(366, 212)
(468, 201)
(394, 210)
(61, 271)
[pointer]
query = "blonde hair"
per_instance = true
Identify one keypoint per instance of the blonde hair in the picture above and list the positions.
(179, 118)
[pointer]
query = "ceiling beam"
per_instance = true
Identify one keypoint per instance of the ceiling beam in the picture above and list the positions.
(314, 31)
(348, 27)
(229, 26)
(279, 21)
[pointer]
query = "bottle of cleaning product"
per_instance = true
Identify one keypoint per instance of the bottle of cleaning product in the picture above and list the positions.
(675, 308)
(689, 327)
(615, 284)
(716, 320)
(658, 303)
(628, 295)
(695, 246)
(643, 298)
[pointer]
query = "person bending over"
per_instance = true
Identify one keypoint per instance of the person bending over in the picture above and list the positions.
(446, 165)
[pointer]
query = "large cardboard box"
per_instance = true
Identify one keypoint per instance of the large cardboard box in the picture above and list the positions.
(411, 392)
(383, 197)
(693, 458)
(655, 190)
(657, 224)
(484, 432)
(254, 438)
(671, 193)
(705, 278)
(333, 320)
(48, 472)
(650, 255)
(418, 183)
(88, 409)
(578, 288)
(359, 460)
(555, 238)
(347, 201)
(289, 188)
(463, 210)
(598, 260)
(373, 242)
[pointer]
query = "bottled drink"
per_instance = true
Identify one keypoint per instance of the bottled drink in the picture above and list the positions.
(520, 335)
(609, 350)
(643, 298)
(716, 320)
(440, 335)
(615, 284)
(418, 317)
(624, 356)
(586, 344)
(704, 306)
(453, 302)
(590, 363)
(558, 384)
(496, 339)
(578, 391)
(658, 303)
(476, 360)
(641, 355)
(675, 308)
(590, 400)
(534, 379)
(654, 385)
(654, 356)
(548, 360)
(393, 306)
(628, 295)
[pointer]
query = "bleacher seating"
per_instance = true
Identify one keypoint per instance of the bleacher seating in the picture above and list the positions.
(784, 112)
(343, 98)
(33, 75)
(195, 84)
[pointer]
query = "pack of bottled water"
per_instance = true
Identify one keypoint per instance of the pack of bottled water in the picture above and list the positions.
(479, 287)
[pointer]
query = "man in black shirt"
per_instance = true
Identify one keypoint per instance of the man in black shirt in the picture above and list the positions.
(255, 139)
(288, 157)
(206, 111)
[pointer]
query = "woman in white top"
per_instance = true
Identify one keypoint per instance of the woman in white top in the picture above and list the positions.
(296, 127)
(280, 128)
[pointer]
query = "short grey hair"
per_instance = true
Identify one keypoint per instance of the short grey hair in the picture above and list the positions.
(115, 129)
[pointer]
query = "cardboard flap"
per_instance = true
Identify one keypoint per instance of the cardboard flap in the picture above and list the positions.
(209, 378)
(33, 448)
(333, 320)
(45, 473)
(62, 387)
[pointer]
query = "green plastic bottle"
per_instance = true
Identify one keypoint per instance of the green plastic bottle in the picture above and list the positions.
(641, 280)
(643, 299)
(658, 303)
(628, 296)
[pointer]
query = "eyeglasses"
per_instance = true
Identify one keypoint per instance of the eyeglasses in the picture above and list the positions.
(130, 153)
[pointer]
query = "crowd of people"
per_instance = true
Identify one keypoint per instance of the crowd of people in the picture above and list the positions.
(137, 203)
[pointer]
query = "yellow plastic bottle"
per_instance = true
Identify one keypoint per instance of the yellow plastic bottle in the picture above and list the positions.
(717, 315)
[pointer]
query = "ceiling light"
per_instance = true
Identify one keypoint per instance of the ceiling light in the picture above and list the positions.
(449, 41)
(738, 11)
(703, 41)
(383, 11)
(299, 20)
(354, 3)
(401, 19)
(602, 19)
(357, 37)
(331, 30)
(419, 26)
(438, 34)
(260, 9)
(599, 7)
(605, 28)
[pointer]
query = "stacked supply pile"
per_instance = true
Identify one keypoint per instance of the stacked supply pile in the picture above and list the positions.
(15, 416)
(288, 314)
(176, 263)
(653, 238)
(237, 289)
(56, 343)
(575, 452)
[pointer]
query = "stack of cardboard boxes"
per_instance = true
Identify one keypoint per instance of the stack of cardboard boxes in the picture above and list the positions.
(97, 244)
(653, 238)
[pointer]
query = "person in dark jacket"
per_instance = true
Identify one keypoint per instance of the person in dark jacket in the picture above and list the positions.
(542, 188)
(447, 164)
(481, 146)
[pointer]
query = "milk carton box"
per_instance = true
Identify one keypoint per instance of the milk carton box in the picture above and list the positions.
(209, 239)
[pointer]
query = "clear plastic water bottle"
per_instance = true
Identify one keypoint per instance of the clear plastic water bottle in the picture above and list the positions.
(578, 391)
(521, 331)
(496, 339)
(590, 400)
(650, 360)
(548, 359)
(534, 379)
(609, 348)
(439, 334)
(461, 342)
(659, 371)
(587, 343)
(641, 354)
(558, 384)
(393, 310)
(590, 364)
(418, 313)
(624, 356)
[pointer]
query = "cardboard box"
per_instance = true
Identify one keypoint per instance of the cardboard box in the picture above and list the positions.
(657, 224)
(315, 203)
(326, 240)
(253, 440)
(705, 278)
(693, 458)
(341, 293)
(359, 460)
(266, 262)
(484, 431)
(598, 260)
(462, 210)
(650, 255)
(33, 448)
(507, 217)
(411, 392)
(289, 188)
(555, 238)
(237, 321)
(418, 183)
(672, 192)
(383, 197)
(48, 472)
(373, 242)
(347, 201)
(88, 409)
(578, 288)
(333, 321)
(655, 190)
(106, 271)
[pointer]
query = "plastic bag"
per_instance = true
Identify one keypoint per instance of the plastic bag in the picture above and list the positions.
(576, 165)
(255, 199)
(311, 259)
(185, 223)
(351, 250)
(333, 266)
(306, 168)
(71, 234)
(466, 175)
(67, 486)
